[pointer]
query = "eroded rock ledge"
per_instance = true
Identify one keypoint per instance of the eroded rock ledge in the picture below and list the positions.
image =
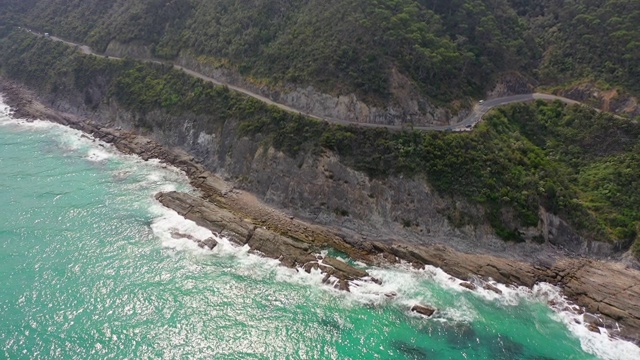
(291, 252)
(610, 289)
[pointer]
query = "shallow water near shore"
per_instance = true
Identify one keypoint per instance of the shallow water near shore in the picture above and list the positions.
(89, 270)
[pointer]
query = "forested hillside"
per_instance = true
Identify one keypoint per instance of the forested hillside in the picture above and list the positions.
(592, 39)
(570, 160)
(446, 49)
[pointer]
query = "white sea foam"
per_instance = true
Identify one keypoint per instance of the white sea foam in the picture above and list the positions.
(8, 120)
(406, 283)
(399, 285)
(98, 155)
(157, 175)
(599, 344)
(161, 177)
(5, 110)
(168, 226)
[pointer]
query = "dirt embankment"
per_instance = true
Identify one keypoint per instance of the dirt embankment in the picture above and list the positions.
(607, 288)
(611, 100)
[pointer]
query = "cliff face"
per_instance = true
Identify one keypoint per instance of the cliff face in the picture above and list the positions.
(317, 186)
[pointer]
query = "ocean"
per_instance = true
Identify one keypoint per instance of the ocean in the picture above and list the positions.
(89, 270)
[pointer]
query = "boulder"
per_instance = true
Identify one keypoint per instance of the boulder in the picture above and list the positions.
(490, 287)
(325, 279)
(390, 258)
(310, 265)
(423, 309)
(468, 285)
(208, 243)
(592, 319)
(342, 285)
(345, 268)
(593, 327)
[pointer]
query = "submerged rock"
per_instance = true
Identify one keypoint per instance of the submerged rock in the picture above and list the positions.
(503, 347)
(179, 235)
(412, 351)
(460, 335)
(208, 243)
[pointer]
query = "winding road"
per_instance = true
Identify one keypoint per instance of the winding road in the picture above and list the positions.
(478, 111)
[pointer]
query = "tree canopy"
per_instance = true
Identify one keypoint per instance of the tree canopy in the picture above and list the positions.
(447, 49)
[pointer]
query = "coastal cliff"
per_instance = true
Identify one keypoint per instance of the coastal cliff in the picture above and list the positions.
(371, 205)
(320, 187)
(606, 288)
(537, 192)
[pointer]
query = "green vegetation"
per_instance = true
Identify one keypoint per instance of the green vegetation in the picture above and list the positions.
(587, 39)
(570, 160)
(444, 50)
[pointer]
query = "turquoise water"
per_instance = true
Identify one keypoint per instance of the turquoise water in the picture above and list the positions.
(88, 270)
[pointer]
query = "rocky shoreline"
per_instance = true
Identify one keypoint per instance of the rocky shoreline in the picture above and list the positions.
(599, 287)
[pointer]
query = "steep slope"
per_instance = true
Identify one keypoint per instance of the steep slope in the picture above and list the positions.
(541, 173)
(445, 50)
(402, 61)
(593, 39)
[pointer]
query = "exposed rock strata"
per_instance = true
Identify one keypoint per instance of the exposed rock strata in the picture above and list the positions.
(321, 187)
(291, 251)
(610, 289)
(406, 108)
(602, 287)
(607, 100)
